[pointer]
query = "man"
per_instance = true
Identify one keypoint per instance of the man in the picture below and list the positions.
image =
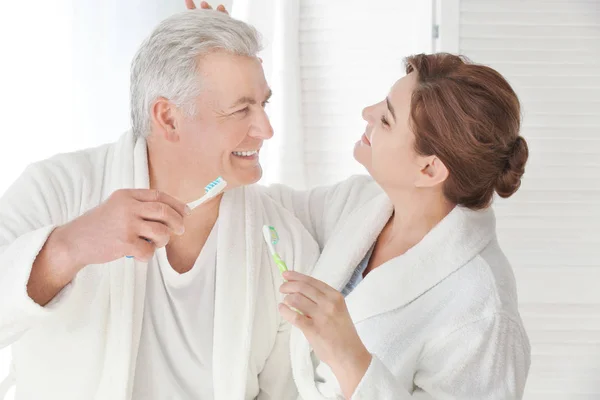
(193, 313)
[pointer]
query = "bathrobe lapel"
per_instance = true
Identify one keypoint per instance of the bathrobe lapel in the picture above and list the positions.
(127, 168)
(238, 258)
(451, 244)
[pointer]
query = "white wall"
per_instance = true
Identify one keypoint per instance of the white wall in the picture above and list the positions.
(550, 52)
(351, 54)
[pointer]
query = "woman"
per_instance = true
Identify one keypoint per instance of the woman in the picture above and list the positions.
(412, 296)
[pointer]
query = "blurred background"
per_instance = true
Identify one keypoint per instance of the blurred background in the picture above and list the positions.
(65, 86)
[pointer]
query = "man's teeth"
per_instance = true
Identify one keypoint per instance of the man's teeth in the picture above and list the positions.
(245, 153)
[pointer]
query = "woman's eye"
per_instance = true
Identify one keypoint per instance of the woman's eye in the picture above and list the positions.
(384, 121)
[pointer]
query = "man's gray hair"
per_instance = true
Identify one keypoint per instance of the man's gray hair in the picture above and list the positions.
(166, 63)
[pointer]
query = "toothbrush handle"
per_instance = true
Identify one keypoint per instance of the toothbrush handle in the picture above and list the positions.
(147, 240)
(282, 267)
(280, 263)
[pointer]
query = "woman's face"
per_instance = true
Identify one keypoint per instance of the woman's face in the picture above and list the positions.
(386, 149)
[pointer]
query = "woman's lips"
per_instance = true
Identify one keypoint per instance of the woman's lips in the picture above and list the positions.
(365, 139)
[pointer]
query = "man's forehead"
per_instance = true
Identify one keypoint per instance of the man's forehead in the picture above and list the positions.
(230, 77)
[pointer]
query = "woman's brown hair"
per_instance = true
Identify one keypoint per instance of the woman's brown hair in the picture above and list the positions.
(469, 116)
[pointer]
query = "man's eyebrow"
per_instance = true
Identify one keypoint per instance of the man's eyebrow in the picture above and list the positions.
(250, 100)
(243, 100)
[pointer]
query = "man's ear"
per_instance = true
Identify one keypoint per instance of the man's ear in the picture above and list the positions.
(163, 115)
(433, 172)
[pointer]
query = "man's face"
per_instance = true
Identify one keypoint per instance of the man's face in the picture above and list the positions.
(229, 126)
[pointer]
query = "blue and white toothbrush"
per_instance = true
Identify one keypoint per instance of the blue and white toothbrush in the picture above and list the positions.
(210, 191)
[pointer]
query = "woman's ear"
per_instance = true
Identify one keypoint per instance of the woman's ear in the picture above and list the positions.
(433, 172)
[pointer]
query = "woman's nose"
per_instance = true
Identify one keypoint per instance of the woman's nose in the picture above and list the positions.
(367, 112)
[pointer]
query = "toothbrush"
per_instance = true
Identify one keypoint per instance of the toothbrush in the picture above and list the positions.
(211, 190)
(272, 238)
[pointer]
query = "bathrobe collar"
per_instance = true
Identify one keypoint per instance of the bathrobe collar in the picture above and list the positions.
(459, 237)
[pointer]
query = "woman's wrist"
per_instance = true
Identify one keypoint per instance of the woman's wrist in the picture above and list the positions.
(351, 369)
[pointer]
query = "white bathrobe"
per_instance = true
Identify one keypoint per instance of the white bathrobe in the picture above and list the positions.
(83, 345)
(441, 321)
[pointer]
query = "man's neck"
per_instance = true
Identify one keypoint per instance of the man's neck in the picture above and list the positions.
(183, 179)
(167, 175)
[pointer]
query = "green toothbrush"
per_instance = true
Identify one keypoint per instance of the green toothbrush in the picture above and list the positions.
(272, 238)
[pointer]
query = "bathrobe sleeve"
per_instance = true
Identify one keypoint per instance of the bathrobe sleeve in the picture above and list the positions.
(486, 359)
(29, 211)
(322, 208)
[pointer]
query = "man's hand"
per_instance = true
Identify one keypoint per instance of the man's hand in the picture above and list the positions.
(119, 226)
(204, 5)
(131, 222)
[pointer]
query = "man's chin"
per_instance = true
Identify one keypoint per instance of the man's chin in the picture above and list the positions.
(246, 176)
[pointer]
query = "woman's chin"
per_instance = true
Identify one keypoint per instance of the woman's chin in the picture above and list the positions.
(362, 155)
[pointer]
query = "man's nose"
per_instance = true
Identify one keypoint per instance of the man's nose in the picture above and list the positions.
(262, 127)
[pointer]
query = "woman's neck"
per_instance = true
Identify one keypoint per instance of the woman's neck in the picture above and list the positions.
(415, 214)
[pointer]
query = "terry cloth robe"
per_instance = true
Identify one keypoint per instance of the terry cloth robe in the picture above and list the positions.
(441, 321)
(83, 345)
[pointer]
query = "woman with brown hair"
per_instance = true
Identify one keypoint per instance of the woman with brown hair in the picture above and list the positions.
(412, 297)
(431, 310)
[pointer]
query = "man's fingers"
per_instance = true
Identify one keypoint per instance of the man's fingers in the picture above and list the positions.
(162, 213)
(190, 4)
(142, 250)
(150, 195)
(159, 234)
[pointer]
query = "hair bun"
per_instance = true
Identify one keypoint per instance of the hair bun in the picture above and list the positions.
(509, 180)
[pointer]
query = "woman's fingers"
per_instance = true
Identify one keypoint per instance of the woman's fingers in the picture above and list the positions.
(205, 6)
(301, 303)
(303, 288)
(298, 320)
(317, 284)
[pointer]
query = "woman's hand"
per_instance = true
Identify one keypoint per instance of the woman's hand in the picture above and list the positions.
(327, 326)
(189, 4)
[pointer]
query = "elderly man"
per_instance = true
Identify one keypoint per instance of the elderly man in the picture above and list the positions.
(192, 314)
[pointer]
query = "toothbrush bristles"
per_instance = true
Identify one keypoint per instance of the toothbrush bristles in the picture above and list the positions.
(213, 184)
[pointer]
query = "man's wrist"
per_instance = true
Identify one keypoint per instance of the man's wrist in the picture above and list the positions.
(61, 255)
